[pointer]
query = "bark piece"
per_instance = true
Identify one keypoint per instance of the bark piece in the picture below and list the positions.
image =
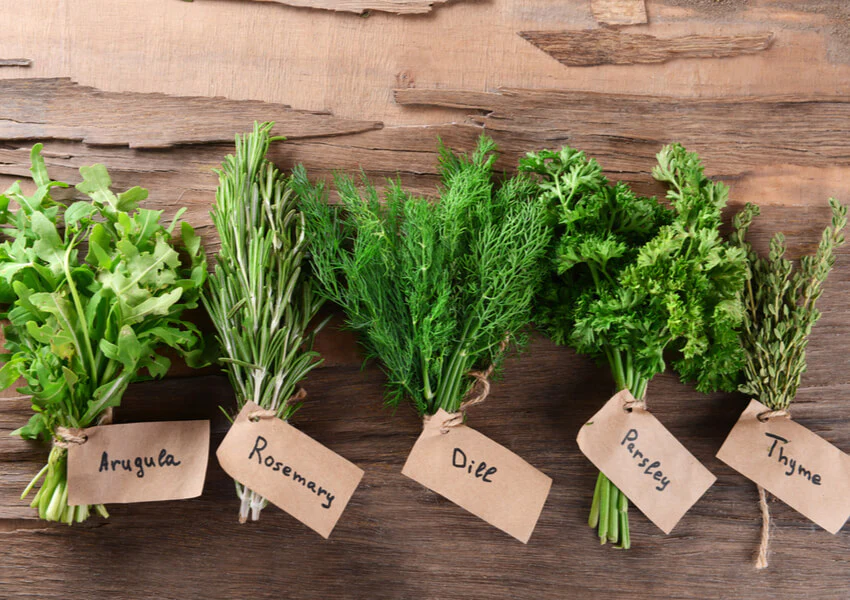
(610, 47)
(619, 12)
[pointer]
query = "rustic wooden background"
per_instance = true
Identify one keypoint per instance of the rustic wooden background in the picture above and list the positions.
(156, 89)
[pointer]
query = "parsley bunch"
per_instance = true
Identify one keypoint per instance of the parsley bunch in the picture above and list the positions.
(260, 297)
(633, 279)
(433, 287)
(84, 326)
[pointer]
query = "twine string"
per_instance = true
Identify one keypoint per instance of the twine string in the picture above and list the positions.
(764, 545)
(476, 395)
(65, 437)
(268, 413)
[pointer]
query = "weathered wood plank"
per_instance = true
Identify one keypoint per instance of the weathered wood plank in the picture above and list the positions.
(619, 12)
(43, 109)
(610, 47)
(15, 62)
(394, 532)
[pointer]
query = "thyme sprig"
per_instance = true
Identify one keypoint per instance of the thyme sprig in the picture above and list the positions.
(433, 287)
(781, 309)
(260, 296)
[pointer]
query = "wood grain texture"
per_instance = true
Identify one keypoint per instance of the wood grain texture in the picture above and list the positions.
(774, 125)
(398, 7)
(619, 12)
(348, 65)
(593, 47)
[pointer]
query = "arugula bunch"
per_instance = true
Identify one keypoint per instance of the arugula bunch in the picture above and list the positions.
(780, 311)
(433, 287)
(260, 297)
(83, 327)
(632, 279)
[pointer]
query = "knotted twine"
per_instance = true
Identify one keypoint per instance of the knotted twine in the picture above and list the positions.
(761, 559)
(65, 437)
(482, 381)
(268, 413)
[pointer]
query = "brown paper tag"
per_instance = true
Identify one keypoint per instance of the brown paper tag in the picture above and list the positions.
(290, 469)
(479, 475)
(644, 460)
(139, 462)
(797, 466)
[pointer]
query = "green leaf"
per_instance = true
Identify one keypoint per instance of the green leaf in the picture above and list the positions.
(11, 372)
(49, 247)
(77, 212)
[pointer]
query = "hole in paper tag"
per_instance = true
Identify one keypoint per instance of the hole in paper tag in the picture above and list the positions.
(797, 466)
(290, 469)
(636, 452)
(479, 475)
(139, 462)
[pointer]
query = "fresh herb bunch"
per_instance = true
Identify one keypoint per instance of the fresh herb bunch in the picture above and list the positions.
(780, 309)
(632, 279)
(260, 297)
(434, 287)
(84, 327)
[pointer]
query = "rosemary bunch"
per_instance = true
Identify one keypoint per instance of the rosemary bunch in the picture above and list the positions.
(433, 287)
(85, 326)
(631, 279)
(780, 309)
(260, 297)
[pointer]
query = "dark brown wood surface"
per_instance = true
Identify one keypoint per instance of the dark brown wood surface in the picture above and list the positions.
(774, 125)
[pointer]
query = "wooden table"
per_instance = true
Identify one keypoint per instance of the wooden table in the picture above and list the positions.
(155, 90)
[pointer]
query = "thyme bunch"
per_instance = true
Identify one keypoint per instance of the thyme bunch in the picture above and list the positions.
(433, 287)
(780, 303)
(260, 296)
(632, 279)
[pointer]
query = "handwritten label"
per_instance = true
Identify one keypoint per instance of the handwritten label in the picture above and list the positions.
(797, 466)
(644, 460)
(479, 475)
(290, 469)
(139, 462)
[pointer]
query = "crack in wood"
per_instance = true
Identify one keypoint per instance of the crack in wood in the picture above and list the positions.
(590, 47)
(399, 7)
(15, 62)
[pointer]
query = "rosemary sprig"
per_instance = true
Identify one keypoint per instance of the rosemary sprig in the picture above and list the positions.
(433, 287)
(260, 298)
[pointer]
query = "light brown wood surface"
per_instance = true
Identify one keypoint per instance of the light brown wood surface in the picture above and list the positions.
(155, 90)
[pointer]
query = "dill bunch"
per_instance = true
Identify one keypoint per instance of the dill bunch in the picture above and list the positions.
(780, 308)
(432, 287)
(260, 297)
(632, 280)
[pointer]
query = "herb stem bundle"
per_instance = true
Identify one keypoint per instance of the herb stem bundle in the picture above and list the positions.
(260, 296)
